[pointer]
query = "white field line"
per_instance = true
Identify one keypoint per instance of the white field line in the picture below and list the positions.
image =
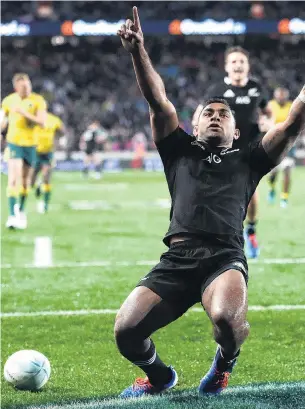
(114, 311)
(96, 186)
(104, 263)
(265, 387)
(235, 390)
(79, 205)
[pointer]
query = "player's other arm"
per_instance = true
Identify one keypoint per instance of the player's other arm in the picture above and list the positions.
(163, 114)
(39, 117)
(281, 137)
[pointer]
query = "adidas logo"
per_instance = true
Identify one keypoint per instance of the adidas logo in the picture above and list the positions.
(253, 92)
(229, 94)
(243, 100)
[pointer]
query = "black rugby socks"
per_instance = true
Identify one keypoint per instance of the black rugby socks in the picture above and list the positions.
(158, 373)
(226, 362)
(251, 228)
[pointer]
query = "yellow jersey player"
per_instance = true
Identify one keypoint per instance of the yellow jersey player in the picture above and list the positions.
(280, 107)
(23, 110)
(44, 155)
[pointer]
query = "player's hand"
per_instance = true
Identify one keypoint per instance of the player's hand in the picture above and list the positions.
(131, 33)
(19, 110)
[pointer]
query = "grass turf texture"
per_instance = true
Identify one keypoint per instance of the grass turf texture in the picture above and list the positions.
(126, 223)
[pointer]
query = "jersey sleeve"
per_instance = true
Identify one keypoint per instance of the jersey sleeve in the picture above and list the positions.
(259, 160)
(174, 145)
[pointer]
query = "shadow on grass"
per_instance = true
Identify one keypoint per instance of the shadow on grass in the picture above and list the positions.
(258, 396)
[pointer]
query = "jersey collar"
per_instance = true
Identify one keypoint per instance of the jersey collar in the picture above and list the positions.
(229, 82)
(22, 99)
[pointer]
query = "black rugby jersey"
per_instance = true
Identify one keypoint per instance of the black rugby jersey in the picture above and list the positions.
(90, 136)
(245, 102)
(210, 189)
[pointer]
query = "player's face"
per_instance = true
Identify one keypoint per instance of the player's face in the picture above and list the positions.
(281, 95)
(237, 66)
(94, 125)
(216, 125)
(23, 87)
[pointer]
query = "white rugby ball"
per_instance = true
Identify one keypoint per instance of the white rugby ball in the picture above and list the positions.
(27, 370)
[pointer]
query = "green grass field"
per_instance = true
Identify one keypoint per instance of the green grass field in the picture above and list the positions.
(106, 235)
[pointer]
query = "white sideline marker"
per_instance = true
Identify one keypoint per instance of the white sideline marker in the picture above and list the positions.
(43, 252)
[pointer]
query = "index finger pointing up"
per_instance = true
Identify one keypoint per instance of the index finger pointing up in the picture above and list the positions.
(136, 18)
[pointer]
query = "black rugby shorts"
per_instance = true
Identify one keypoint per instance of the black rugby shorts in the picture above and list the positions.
(188, 267)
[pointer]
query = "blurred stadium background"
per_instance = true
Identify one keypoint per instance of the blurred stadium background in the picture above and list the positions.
(107, 233)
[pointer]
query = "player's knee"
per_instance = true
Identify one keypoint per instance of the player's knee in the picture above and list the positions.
(227, 320)
(125, 337)
(124, 331)
(230, 329)
(12, 181)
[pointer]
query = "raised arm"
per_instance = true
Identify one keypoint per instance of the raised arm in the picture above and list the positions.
(281, 137)
(163, 115)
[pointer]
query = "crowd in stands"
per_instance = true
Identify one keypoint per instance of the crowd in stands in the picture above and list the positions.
(27, 11)
(92, 78)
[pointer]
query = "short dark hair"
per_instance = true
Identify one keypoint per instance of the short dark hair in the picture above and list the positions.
(218, 100)
(236, 49)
